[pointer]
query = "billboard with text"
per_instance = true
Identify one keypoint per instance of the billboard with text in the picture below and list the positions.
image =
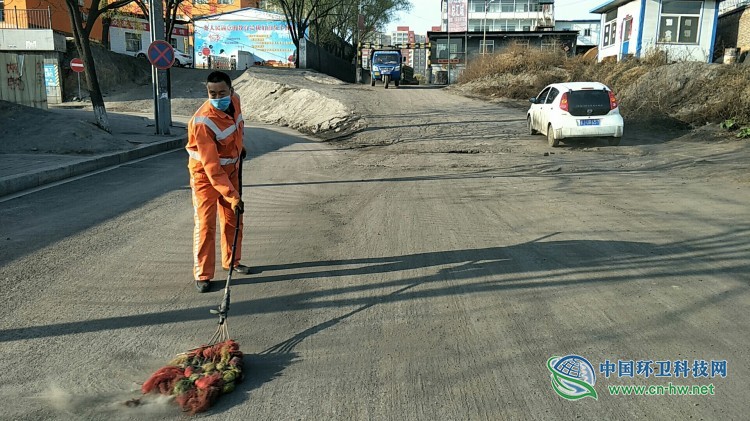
(458, 15)
(268, 40)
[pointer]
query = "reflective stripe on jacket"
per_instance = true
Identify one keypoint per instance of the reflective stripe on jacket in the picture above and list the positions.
(215, 139)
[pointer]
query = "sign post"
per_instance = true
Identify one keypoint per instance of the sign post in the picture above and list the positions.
(76, 65)
(161, 56)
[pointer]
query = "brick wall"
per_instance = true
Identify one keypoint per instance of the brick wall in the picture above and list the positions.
(734, 31)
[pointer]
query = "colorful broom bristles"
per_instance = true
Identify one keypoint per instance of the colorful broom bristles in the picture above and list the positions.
(198, 377)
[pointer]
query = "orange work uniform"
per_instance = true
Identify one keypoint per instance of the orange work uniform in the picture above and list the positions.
(214, 146)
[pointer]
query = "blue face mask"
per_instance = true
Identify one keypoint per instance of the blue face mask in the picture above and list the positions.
(221, 104)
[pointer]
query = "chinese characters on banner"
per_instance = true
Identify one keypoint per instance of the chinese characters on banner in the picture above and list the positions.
(458, 15)
(268, 40)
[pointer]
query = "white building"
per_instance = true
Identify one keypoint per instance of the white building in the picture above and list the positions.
(378, 38)
(420, 56)
(130, 35)
(684, 30)
(506, 15)
(588, 31)
(403, 35)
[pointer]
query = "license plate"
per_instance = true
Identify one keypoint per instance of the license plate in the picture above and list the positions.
(590, 122)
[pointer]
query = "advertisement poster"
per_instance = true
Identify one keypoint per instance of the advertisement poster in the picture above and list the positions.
(50, 79)
(267, 40)
(458, 16)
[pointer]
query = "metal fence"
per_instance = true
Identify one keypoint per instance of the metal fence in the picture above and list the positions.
(25, 18)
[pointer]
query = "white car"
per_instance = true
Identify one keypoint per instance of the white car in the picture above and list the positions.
(180, 59)
(575, 109)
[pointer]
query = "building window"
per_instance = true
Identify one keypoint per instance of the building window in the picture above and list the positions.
(225, 2)
(487, 47)
(549, 44)
(679, 21)
(522, 42)
(610, 29)
(507, 5)
(442, 49)
(132, 42)
(200, 1)
(627, 28)
(587, 32)
(2, 10)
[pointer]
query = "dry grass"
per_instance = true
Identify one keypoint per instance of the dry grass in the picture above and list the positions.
(694, 93)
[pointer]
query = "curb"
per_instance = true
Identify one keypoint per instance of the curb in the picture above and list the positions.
(20, 182)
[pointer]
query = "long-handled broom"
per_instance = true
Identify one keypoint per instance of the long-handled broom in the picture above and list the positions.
(198, 377)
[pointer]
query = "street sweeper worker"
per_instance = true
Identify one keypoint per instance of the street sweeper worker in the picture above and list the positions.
(215, 146)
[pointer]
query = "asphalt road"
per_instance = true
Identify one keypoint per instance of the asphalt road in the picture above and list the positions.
(402, 283)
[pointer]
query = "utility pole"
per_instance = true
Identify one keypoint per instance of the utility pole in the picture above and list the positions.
(358, 55)
(484, 28)
(162, 110)
(448, 29)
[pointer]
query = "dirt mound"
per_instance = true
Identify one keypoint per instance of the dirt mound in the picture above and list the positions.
(695, 93)
(296, 106)
(691, 92)
(296, 98)
(59, 133)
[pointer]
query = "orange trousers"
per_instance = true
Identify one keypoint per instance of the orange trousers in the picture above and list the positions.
(206, 203)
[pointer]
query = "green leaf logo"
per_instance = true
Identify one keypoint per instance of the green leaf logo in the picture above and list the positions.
(572, 377)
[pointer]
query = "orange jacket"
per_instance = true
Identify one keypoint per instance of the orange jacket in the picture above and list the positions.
(215, 139)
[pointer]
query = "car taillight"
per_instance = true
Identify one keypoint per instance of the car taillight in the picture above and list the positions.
(564, 101)
(612, 100)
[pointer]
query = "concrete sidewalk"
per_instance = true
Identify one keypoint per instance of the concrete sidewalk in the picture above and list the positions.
(22, 171)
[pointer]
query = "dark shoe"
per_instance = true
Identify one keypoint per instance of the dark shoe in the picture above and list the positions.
(202, 286)
(245, 270)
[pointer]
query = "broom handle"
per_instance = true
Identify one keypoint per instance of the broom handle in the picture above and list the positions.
(224, 306)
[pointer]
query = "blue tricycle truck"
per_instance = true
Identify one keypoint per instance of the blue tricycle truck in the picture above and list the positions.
(385, 66)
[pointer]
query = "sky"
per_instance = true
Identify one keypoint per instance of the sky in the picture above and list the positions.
(426, 13)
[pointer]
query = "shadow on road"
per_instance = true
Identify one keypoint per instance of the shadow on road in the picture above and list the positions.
(536, 264)
(33, 222)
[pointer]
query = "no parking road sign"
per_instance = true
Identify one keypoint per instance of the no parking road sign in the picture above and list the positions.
(161, 54)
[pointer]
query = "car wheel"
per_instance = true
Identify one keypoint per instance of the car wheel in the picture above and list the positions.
(177, 63)
(528, 123)
(372, 82)
(551, 137)
(613, 141)
(141, 55)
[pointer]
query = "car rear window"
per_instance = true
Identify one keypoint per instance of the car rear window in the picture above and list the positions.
(588, 102)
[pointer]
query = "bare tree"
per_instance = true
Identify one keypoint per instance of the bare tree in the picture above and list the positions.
(336, 20)
(300, 14)
(82, 26)
(344, 22)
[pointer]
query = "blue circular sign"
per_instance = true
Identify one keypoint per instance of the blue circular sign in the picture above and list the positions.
(161, 54)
